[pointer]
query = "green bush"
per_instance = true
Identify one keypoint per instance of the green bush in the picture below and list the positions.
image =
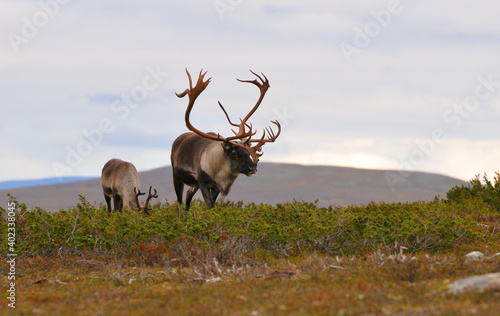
(487, 193)
(231, 231)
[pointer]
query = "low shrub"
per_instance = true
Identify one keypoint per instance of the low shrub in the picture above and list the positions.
(233, 231)
(478, 192)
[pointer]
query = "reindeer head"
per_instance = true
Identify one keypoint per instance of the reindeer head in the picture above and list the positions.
(239, 147)
(240, 159)
(144, 207)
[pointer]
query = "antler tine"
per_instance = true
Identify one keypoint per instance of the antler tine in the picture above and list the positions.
(193, 93)
(182, 94)
(254, 150)
(200, 79)
(150, 196)
(155, 195)
(250, 128)
(242, 134)
(255, 80)
(200, 85)
(272, 136)
(227, 116)
(137, 193)
(263, 86)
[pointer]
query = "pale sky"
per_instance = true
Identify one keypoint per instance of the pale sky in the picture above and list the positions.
(403, 85)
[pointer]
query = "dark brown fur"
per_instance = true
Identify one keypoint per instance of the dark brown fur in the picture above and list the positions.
(209, 165)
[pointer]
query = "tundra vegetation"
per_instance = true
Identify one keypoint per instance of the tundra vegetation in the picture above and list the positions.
(259, 259)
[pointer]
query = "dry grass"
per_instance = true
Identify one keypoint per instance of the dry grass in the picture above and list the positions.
(379, 283)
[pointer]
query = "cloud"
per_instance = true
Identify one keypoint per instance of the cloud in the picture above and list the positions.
(367, 113)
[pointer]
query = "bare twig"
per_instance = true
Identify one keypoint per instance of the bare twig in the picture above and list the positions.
(335, 267)
(70, 238)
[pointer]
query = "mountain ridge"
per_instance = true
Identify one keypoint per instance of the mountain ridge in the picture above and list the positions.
(273, 183)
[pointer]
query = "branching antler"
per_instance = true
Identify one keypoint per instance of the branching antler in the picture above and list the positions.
(146, 208)
(263, 86)
(270, 139)
(243, 135)
(272, 136)
(137, 193)
(150, 196)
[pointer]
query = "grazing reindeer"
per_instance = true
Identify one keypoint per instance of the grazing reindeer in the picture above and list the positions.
(120, 181)
(210, 162)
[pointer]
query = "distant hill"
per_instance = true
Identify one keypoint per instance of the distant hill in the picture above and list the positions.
(273, 183)
(17, 184)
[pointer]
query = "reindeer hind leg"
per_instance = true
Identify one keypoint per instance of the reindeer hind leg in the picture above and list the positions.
(108, 202)
(189, 196)
(179, 189)
(118, 203)
(210, 193)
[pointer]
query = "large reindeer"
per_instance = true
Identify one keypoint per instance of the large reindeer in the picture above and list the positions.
(120, 182)
(210, 162)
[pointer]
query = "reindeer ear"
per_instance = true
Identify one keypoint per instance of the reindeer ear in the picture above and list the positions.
(227, 146)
